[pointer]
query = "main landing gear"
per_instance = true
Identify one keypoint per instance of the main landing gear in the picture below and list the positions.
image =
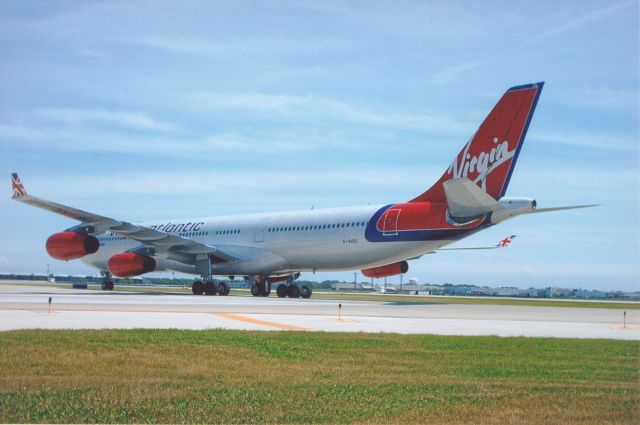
(262, 288)
(107, 281)
(293, 290)
(210, 287)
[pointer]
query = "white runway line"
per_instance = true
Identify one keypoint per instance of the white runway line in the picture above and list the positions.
(24, 308)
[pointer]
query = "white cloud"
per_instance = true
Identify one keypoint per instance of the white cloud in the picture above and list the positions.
(237, 143)
(320, 107)
(585, 19)
(195, 46)
(87, 139)
(453, 72)
(134, 119)
(604, 97)
(608, 142)
(5, 262)
(218, 181)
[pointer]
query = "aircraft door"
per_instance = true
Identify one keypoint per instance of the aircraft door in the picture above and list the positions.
(390, 223)
(259, 237)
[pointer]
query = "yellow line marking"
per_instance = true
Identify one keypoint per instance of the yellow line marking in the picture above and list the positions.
(239, 318)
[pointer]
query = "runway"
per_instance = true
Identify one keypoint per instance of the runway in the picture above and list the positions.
(26, 307)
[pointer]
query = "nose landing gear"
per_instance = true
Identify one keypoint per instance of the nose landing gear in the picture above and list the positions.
(107, 281)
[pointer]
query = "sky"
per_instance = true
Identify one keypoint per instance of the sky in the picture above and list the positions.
(144, 110)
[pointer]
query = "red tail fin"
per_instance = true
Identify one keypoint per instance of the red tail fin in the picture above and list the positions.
(489, 157)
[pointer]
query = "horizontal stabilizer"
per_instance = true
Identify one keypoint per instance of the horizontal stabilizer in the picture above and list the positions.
(572, 207)
(466, 199)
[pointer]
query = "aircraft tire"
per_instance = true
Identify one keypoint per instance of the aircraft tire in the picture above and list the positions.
(197, 288)
(104, 285)
(210, 288)
(305, 291)
(255, 290)
(109, 284)
(294, 291)
(282, 291)
(223, 288)
(266, 289)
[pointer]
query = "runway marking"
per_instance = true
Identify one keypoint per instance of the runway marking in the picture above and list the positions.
(626, 328)
(343, 320)
(239, 318)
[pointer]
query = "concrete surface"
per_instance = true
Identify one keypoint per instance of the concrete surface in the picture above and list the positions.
(26, 307)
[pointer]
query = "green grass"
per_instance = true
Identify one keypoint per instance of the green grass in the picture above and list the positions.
(222, 376)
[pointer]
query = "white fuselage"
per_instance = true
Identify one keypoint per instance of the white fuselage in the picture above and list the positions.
(309, 240)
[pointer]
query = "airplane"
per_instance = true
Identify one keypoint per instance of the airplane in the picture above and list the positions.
(274, 248)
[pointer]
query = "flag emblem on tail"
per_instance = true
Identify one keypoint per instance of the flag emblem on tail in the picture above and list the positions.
(17, 186)
(506, 241)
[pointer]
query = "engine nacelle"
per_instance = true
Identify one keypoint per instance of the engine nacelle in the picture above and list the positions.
(71, 245)
(511, 207)
(130, 264)
(388, 270)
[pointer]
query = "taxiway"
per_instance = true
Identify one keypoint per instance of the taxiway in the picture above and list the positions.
(26, 307)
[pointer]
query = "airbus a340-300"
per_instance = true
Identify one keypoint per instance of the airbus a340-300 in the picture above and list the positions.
(275, 247)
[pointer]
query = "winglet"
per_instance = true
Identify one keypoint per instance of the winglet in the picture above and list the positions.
(17, 186)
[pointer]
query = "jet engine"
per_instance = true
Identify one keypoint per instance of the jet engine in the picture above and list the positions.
(388, 270)
(130, 264)
(71, 245)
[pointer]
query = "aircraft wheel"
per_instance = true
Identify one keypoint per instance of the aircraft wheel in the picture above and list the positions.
(109, 285)
(210, 288)
(255, 290)
(197, 288)
(104, 285)
(294, 291)
(305, 291)
(266, 289)
(224, 288)
(282, 291)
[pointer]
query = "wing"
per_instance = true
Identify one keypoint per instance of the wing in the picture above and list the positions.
(94, 224)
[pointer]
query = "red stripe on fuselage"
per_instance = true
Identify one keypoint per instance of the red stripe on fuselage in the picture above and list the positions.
(418, 216)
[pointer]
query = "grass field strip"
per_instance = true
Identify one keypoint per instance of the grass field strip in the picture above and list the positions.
(231, 376)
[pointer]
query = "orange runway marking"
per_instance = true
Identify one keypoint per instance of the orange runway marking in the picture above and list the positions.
(626, 328)
(251, 320)
(343, 320)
